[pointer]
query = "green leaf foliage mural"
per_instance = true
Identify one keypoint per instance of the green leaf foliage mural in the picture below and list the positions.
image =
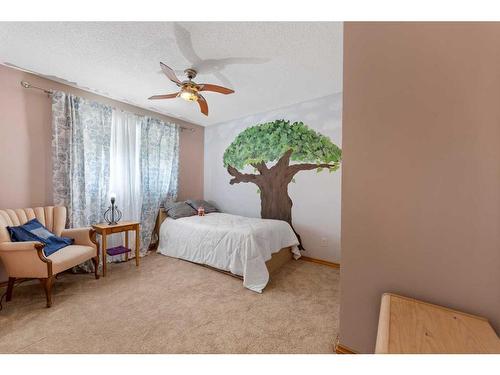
(277, 151)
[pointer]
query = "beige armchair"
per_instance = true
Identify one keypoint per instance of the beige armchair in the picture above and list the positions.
(27, 260)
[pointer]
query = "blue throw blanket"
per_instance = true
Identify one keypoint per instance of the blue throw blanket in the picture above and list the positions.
(33, 230)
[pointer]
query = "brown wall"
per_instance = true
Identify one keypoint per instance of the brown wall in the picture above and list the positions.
(421, 170)
(25, 142)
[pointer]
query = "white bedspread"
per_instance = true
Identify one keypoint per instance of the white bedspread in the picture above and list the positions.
(232, 243)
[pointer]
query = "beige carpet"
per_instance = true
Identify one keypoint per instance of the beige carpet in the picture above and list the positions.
(172, 306)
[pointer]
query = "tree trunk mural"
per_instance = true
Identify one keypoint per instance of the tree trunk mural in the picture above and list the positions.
(282, 142)
(273, 185)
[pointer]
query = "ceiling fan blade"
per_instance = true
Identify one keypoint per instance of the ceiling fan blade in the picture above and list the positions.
(203, 104)
(214, 88)
(170, 74)
(166, 96)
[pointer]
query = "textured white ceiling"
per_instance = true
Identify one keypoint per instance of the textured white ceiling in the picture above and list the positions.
(269, 65)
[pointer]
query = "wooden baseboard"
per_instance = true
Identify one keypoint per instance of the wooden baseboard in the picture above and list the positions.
(342, 349)
(319, 261)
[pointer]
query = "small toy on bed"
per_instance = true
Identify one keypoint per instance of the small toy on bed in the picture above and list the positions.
(207, 207)
(201, 211)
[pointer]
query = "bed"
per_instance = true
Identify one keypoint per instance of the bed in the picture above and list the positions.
(247, 247)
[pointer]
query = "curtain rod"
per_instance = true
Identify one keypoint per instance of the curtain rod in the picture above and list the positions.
(28, 85)
(50, 92)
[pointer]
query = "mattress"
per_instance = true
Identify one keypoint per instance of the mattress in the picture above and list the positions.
(237, 244)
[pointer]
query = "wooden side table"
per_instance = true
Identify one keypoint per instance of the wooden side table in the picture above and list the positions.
(105, 229)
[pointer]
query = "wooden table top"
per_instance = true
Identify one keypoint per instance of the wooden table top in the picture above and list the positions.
(118, 225)
(407, 325)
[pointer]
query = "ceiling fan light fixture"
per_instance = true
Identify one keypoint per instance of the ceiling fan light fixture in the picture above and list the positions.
(189, 94)
(190, 91)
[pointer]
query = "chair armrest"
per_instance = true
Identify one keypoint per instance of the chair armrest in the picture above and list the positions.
(81, 236)
(20, 246)
(25, 259)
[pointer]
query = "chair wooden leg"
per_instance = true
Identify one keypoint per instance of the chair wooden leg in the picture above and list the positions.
(10, 288)
(47, 287)
(95, 260)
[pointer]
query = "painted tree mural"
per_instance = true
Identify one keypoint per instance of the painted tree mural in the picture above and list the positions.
(277, 151)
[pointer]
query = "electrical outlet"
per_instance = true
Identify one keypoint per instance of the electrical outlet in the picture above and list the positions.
(324, 242)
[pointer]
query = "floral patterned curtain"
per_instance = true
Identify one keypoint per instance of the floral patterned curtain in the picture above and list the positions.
(81, 135)
(81, 142)
(159, 170)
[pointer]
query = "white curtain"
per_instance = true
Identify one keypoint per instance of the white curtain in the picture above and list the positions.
(125, 174)
(143, 172)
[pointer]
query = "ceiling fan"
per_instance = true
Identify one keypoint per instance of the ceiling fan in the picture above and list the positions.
(190, 90)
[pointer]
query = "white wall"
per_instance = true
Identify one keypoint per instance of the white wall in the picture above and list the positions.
(315, 196)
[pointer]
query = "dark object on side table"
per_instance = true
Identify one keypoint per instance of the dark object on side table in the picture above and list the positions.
(112, 215)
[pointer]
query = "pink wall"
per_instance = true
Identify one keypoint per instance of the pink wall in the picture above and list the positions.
(25, 154)
(191, 154)
(421, 170)
(25, 142)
